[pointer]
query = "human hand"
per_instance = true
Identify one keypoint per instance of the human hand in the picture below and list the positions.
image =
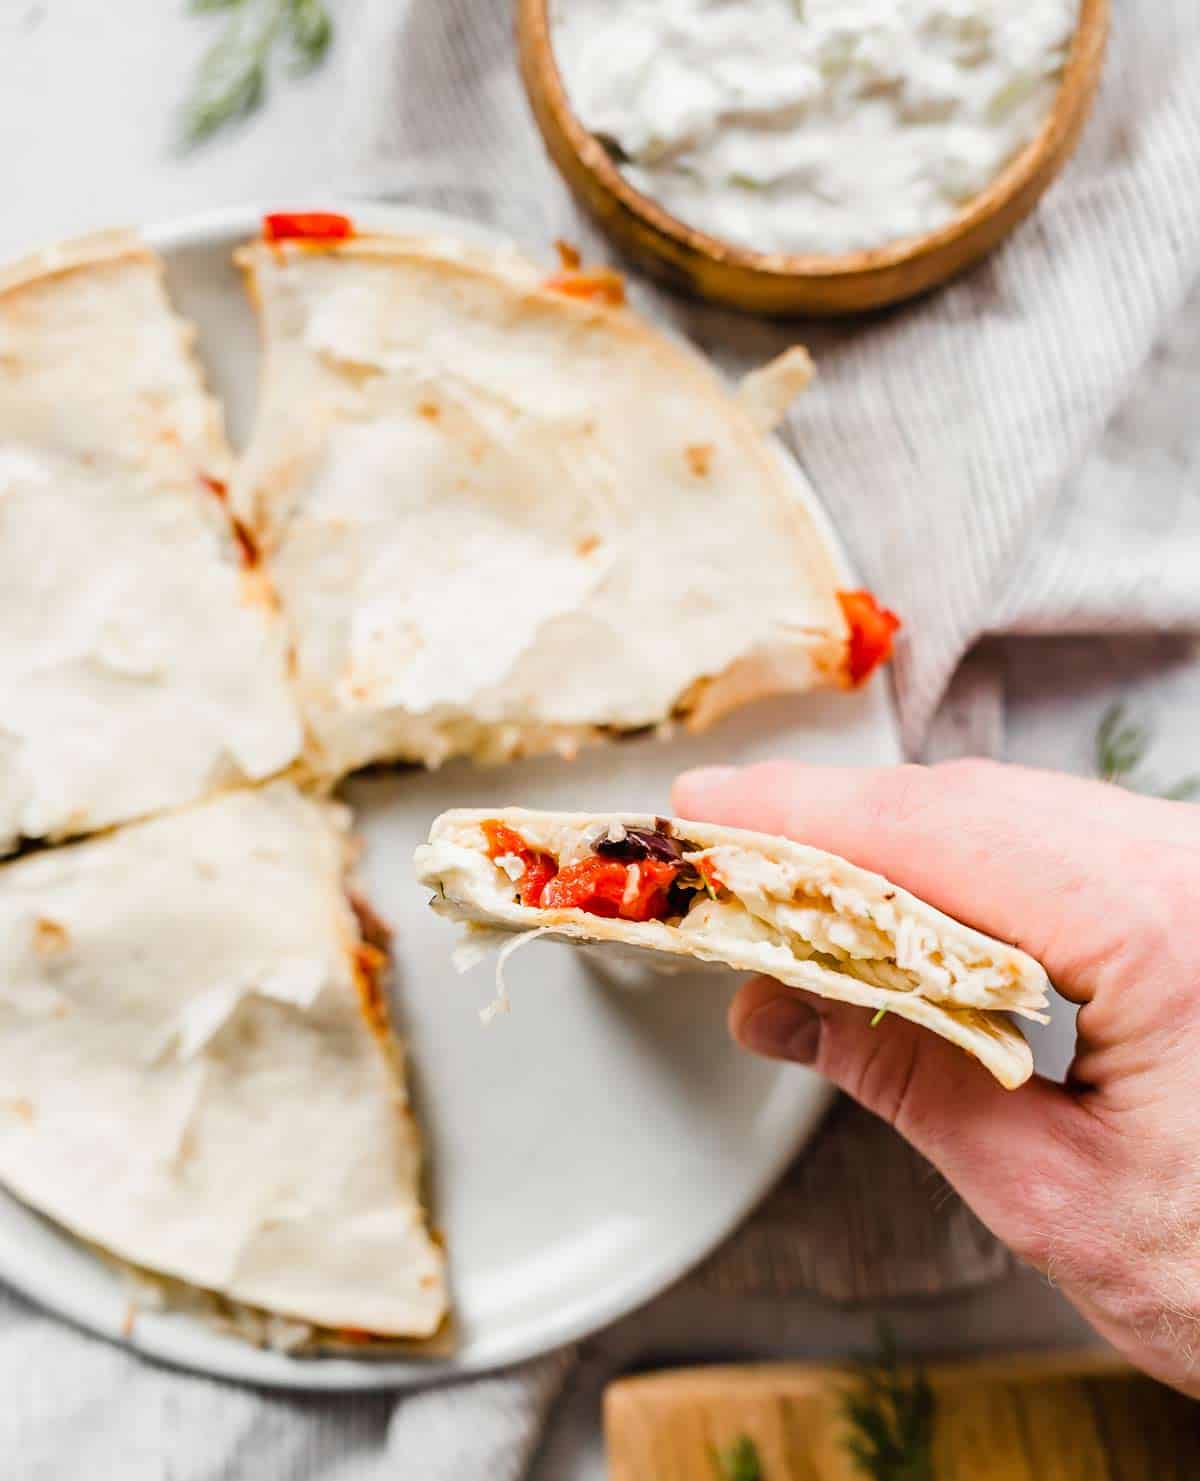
(1095, 1183)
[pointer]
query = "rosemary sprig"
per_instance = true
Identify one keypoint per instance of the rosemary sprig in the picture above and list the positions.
(891, 1419)
(739, 1461)
(232, 77)
(311, 32)
(1122, 745)
(1187, 789)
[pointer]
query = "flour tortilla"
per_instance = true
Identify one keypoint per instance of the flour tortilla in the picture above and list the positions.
(141, 659)
(806, 917)
(503, 520)
(197, 1071)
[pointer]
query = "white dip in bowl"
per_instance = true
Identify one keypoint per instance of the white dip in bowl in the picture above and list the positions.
(813, 126)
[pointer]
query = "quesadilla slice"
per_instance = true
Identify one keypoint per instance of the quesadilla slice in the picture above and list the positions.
(196, 1069)
(142, 664)
(747, 900)
(505, 516)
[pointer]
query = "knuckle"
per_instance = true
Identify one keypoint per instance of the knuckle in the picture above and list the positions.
(1152, 914)
(1162, 887)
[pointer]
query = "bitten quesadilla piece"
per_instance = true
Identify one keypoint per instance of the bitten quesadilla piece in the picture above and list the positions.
(196, 1072)
(141, 659)
(747, 900)
(505, 518)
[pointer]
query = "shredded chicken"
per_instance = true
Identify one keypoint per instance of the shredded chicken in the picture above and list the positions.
(845, 931)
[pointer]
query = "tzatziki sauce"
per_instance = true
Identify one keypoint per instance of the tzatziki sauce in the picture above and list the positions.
(812, 126)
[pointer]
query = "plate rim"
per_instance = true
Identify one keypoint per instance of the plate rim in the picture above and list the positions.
(181, 1341)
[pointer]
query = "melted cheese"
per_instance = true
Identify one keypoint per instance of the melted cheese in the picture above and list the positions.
(798, 904)
(876, 939)
(807, 917)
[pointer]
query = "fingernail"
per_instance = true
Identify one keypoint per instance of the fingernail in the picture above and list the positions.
(704, 777)
(783, 1029)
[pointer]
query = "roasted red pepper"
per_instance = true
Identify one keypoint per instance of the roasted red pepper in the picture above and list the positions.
(605, 887)
(637, 891)
(539, 870)
(308, 226)
(247, 548)
(600, 284)
(872, 629)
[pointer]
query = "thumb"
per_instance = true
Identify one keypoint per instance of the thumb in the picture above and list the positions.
(1019, 1158)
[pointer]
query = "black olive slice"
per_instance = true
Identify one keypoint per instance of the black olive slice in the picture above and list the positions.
(643, 843)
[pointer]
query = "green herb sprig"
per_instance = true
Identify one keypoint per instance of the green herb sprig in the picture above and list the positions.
(739, 1461)
(231, 80)
(1122, 744)
(890, 1415)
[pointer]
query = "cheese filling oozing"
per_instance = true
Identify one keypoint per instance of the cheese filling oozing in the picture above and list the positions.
(732, 893)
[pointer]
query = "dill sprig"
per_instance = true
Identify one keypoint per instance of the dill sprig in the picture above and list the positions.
(1122, 744)
(231, 80)
(891, 1418)
(739, 1461)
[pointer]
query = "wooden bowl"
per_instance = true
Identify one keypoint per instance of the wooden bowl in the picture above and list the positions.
(786, 283)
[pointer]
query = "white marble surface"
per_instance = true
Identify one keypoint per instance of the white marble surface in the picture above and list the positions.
(88, 94)
(89, 100)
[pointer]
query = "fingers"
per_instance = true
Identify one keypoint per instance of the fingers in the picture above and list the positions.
(1048, 863)
(1131, 812)
(1009, 1153)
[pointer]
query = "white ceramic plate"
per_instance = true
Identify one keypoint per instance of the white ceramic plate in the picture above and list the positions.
(585, 1150)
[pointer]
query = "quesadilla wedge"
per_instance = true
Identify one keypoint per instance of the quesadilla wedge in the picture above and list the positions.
(141, 659)
(747, 900)
(196, 1070)
(505, 516)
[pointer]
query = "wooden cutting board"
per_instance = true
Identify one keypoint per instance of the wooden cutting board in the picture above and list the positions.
(1061, 1417)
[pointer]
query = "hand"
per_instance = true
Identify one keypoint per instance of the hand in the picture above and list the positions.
(1096, 1183)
